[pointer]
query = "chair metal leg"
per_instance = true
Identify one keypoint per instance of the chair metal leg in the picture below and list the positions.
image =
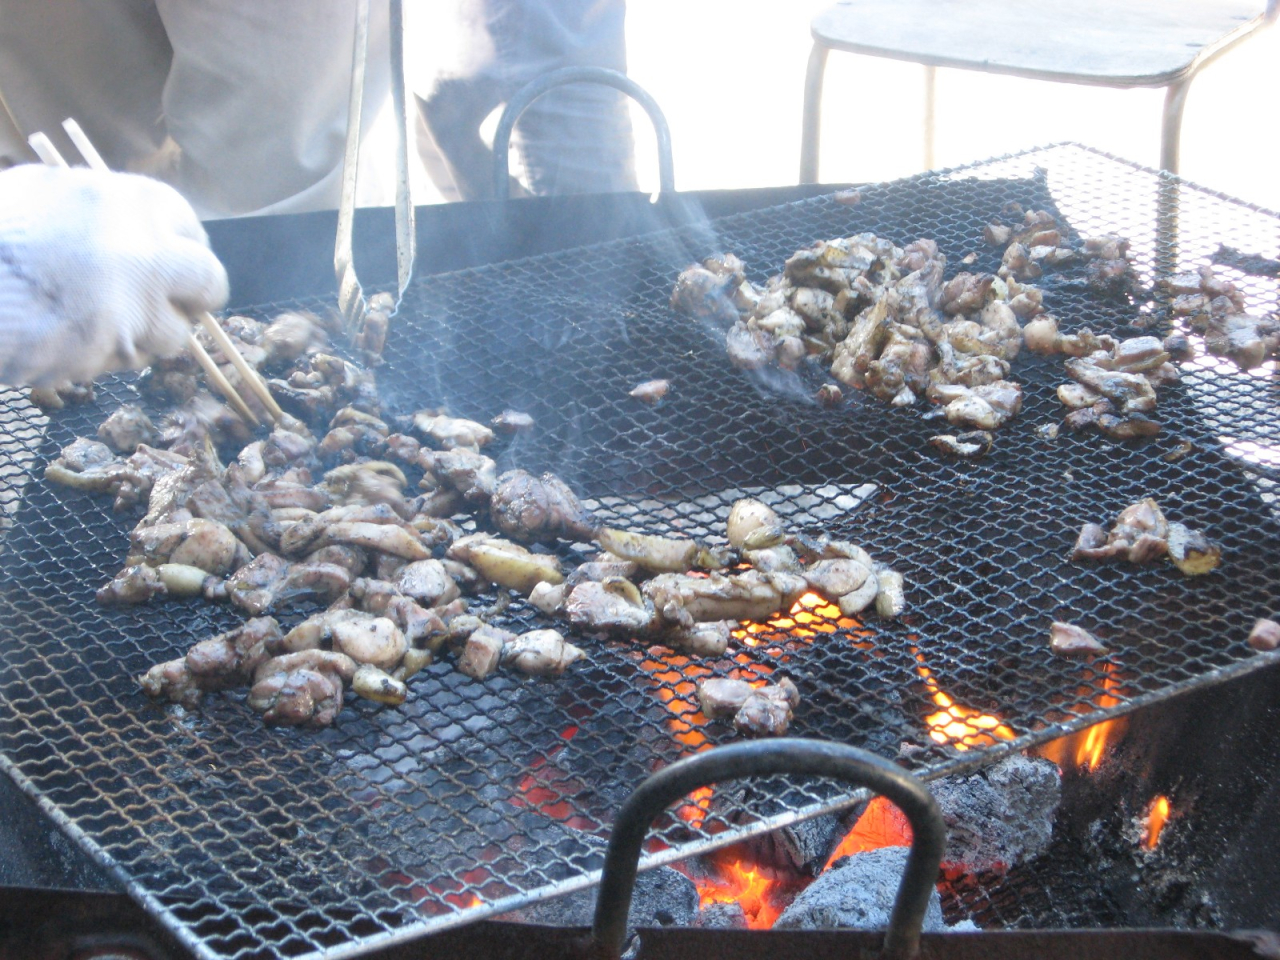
(809, 128)
(1175, 98)
(930, 109)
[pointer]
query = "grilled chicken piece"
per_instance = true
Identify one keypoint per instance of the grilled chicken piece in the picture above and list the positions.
(301, 689)
(427, 582)
(482, 652)
(172, 681)
(127, 427)
(505, 563)
(230, 659)
(763, 711)
(470, 474)
(511, 422)
(769, 709)
(682, 600)
(1068, 640)
(451, 433)
(529, 508)
(369, 639)
(614, 605)
(705, 291)
(540, 653)
(134, 584)
(1140, 534)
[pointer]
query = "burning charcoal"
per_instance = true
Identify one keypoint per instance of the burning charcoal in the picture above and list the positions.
(858, 891)
(540, 653)
(725, 915)
(512, 422)
(1001, 816)
(1068, 640)
(377, 685)
(527, 508)
(967, 446)
(1191, 551)
(747, 517)
(1265, 635)
(651, 392)
(127, 427)
(506, 564)
(482, 652)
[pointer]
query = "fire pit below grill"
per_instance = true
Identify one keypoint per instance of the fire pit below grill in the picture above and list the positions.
(479, 797)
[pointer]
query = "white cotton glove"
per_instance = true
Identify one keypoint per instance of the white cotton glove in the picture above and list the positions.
(98, 272)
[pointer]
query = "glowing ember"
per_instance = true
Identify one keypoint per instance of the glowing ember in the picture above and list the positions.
(960, 726)
(695, 808)
(808, 617)
(1157, 816)
(1086, 748)
(881, 825)
(736, 882)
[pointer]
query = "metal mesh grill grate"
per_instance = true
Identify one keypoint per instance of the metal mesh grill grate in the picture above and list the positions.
(476, 797)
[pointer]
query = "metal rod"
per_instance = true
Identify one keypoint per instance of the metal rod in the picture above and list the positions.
(610, 78)
(763, 758)
(811, 124)
(405, 237)
(930, 113)
(350, 295)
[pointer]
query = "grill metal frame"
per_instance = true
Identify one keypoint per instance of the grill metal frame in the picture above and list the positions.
(477, 798)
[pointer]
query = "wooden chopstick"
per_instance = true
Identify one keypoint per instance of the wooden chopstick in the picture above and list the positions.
(252, 379)
(49, 154)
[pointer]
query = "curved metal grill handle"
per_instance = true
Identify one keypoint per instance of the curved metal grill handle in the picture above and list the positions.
(612, 78)
(763, 758)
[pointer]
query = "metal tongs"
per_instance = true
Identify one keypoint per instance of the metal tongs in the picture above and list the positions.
(253, 381)
(351, 299)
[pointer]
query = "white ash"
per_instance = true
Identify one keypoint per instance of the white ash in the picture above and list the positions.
(1001, 815)
(722, 916)
(663, 897)
(858, 891)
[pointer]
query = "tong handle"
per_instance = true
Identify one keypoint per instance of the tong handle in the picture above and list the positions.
(611, 78)
(764, 758)
(351, 300)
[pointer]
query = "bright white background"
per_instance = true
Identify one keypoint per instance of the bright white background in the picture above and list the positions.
(730, 78)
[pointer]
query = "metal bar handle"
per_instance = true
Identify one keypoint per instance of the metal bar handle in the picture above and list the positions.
(612, 78)
(764, 758)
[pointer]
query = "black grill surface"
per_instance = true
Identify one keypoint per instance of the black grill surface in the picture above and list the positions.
(477, 797)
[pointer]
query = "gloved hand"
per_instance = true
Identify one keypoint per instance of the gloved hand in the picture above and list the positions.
(98, 272)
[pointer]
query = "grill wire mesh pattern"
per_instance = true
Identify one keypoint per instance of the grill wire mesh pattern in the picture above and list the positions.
(477, 797)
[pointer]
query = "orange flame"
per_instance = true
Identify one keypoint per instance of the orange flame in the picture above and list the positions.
(881, 825)
(809, 616)
(736, 882)
(1086, 748)
(955, 724)
(1157, 817)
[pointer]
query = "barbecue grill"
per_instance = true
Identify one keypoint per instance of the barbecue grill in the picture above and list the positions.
(478, 797)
